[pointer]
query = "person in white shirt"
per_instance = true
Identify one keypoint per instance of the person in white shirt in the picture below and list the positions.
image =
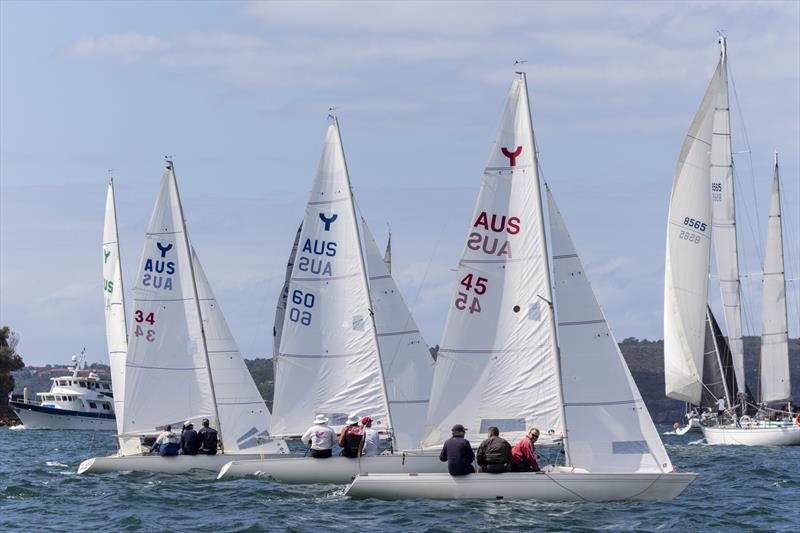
(720, 407)
(321, 438)
(168, 442)
(372, 441)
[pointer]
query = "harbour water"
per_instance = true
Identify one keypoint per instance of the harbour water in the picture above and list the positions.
(738, 489)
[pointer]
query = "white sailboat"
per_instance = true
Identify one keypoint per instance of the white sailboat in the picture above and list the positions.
(501, 365)
(768, 427)
(182, 363)
(374, 364)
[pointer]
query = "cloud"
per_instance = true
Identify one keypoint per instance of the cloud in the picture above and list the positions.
(125, 47)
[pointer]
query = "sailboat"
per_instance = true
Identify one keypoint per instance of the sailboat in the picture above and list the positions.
(767, 427)
(182, 363)
(702, 199)
(502, 363)
(348, 343)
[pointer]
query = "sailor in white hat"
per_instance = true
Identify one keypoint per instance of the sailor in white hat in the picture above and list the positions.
(320, 437)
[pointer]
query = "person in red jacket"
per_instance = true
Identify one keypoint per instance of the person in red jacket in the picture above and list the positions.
(523, 456)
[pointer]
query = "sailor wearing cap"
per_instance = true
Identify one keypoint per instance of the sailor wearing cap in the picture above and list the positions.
(320, 437)
(457, 451)
(372, 441)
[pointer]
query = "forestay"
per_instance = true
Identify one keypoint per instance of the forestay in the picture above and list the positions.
(497, 365)
(113, 296)
(328, 360)
(244, 418)
(609, 427)
(167, 380)
(406, 360)
(687, 256)
(724, 219)
(775, 385)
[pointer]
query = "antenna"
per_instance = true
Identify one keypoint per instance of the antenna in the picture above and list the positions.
(332, 111)
(169, 159)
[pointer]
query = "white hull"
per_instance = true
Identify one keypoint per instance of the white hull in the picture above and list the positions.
(788, 435)
(559, 485)
(39, 419)
(335, 470)
(178, 464)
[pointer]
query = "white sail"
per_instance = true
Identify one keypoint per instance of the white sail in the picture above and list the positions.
(775, 385)
(167, 380)
(609, 427)
(406, 360)
(116, 328)
(498, 363)
(687, 256)
(328, 360)
(280, 309)
(244, 418)
(387, 255)
(724, 220)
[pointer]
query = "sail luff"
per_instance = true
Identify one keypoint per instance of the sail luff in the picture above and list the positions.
(113, 291)
(687, 256)
(775, 377)
(280, 309)
(204, 341)
(724, 220)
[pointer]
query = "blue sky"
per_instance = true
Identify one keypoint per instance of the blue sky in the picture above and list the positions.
(239, 92)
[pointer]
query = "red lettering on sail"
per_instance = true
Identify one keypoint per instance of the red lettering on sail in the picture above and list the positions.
(512, 156)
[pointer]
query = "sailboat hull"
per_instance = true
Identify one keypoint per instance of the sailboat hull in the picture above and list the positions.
(693, 425)
(178, 464)
(558, 485)
(786, 435)
(335, 470)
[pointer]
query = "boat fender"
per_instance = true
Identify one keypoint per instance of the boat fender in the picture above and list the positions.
(797, 420)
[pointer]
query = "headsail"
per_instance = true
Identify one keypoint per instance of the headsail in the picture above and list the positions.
(687, 256)
(609, 427)
(242, 411)
(387, 255)
(498, 362)
(167, 379)
(407, 363)
(775, 385)
(724, 218)
(329, 360)
(280, 309)
(114, 299)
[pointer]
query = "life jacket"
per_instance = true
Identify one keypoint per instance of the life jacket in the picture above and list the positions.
(353, 438)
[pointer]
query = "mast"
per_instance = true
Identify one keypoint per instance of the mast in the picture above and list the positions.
(548, 297)
(365, 282)
(171, 167)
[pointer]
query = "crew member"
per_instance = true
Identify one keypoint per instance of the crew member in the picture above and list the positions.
(320, 437)
(351, 438)
(190, 442)
(372, 440)
(494, 453)
(523, 456)
(208, 439)
(457, 451)
(168, 443)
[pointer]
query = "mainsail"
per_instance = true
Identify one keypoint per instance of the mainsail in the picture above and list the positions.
(329, 359)
(687, 256)
(498, 362)
(244, 417)
(724, 218)
(407, 363)
(775, 385)
(610, 429)
(167, 379)
(116, 327)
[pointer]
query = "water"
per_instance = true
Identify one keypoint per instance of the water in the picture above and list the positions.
(738, 488)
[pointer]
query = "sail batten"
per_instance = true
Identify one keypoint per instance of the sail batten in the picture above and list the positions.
(775, 377)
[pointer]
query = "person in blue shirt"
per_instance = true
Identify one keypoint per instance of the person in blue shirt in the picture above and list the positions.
(457, 451)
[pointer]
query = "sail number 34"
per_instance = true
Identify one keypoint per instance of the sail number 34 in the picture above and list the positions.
(141, 318)
(466, 301)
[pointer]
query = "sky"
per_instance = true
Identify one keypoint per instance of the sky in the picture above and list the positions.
(238, 94)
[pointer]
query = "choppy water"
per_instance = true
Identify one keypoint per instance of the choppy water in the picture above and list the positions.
(738, 488)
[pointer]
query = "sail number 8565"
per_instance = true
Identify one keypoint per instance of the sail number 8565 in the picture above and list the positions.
(306, 300)
(696, 224)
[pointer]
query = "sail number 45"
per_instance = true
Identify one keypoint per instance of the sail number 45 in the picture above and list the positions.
(140, 318)
(473, 284)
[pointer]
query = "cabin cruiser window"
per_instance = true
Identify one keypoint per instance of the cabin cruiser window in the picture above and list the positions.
(93, 405)
(106, 406)
(82, 384)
